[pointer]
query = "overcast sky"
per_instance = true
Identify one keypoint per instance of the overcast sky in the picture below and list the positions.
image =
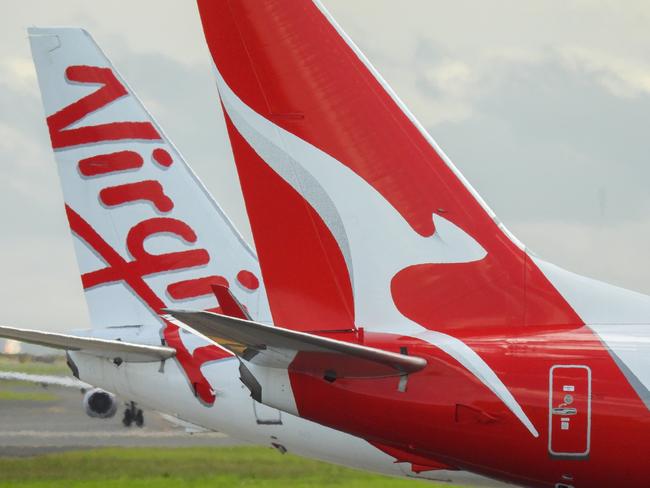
(543, 105)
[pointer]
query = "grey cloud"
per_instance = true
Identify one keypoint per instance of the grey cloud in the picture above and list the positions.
(40, 285)
(27, 168)
(616, 253)
(550, 143)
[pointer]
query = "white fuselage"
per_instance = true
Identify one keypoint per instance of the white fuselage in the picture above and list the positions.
(165, 388)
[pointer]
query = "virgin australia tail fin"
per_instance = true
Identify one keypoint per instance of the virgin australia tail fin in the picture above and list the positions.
(147, 233)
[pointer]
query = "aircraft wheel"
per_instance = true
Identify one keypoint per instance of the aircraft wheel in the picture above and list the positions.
(139, 418)
(127, 420)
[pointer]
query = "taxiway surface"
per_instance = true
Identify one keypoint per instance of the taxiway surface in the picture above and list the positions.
(36, 420)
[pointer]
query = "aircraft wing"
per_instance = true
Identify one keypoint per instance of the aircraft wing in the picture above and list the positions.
(44, 379)
(278, 347)
(107, 348)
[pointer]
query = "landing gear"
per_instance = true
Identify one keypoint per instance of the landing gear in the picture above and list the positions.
(139, 418)
(128, 418)
(132, 414)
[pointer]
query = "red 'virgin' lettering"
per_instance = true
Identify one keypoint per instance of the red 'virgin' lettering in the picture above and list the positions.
(248, 280)
(144, 263)
(110, 91)
(162, 157)
(132, 276)
(198, 287)
(149, 190)
(110, 163)
(170, 261)
(132, 270)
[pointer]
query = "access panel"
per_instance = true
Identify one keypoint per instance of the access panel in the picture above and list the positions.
(569, 411)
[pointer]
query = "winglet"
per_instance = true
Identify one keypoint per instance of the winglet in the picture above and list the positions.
(230, 306)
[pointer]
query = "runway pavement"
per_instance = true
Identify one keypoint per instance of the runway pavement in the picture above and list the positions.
(33, 423)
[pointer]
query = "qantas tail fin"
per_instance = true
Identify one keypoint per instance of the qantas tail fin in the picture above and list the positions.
(147, 233)
(358, 216)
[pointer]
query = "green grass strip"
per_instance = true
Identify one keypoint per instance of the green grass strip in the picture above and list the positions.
(26, 396)
(184, 468)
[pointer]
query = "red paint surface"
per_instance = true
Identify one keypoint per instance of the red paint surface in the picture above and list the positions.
(424, 420)
(306, 278)
(149, 190)
(197, 287)
(228, 304)
(110, 91)
(248, 280)
(110, 163)
(418, 463)
(162, 157)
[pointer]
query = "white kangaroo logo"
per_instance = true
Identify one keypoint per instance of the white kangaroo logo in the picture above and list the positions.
(374, 238)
